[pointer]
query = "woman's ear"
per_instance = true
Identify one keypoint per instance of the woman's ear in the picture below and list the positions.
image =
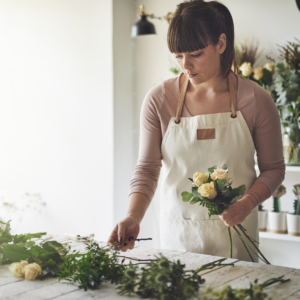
(222, 43)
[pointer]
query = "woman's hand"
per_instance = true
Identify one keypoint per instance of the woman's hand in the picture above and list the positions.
(237, 212)
(125, 232)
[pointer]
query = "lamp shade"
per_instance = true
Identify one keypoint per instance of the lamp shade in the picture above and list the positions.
(143, 26)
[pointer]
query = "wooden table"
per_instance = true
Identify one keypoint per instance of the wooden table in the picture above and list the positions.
(239, 275)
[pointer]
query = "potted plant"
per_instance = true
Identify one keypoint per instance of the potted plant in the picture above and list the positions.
(293, 220)
(277, 218)
(262, 218)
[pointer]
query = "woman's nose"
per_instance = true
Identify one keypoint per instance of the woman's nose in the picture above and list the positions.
(186, 64)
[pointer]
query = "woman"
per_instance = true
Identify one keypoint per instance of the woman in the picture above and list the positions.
(205, 116)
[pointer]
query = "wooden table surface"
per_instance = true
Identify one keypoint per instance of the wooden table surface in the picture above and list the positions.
(239, 275)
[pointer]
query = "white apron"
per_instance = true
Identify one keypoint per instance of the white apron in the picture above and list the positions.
(187, 227)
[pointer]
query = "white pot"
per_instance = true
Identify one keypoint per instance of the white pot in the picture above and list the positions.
(262, 220)
(277, 222)
(293, 224)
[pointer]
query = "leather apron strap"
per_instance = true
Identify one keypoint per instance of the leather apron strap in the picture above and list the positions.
(232, 95)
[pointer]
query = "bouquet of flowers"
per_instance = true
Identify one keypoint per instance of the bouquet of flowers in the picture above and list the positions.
(214, 191)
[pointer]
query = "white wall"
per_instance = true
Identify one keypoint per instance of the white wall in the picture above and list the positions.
(56, 113)
(271, 22)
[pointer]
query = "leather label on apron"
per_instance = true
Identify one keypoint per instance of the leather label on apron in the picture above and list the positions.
(206, 134)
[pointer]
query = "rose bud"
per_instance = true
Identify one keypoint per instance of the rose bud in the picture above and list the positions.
(32, 271)
(17, 269)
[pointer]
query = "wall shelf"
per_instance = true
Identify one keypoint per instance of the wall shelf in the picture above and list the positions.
(288, 168)
(275, 236)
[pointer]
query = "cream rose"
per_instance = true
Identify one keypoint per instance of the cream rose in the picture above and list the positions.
(219, 173)
(208, 190)
(199, 178)
(17, 269)
(269, 67)
(258, 73)
(32, 271)
(246, 69)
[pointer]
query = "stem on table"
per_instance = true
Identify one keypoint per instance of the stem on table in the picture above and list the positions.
(243, 243)
(246, 235)
(229, 232)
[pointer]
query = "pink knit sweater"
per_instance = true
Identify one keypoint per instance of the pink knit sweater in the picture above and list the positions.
(257, 107)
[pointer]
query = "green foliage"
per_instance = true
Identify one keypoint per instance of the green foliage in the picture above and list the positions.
(254, 292)
(163, 279)
(90, 269)
(260, 207)
(276, 204)
(14, 247)
(225, 197)
(297, 207)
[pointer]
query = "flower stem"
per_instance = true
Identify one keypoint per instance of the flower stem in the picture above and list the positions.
(246, 235)
(243, 243)
(229, 232)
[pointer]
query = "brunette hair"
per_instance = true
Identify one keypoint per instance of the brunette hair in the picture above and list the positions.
(196, 24)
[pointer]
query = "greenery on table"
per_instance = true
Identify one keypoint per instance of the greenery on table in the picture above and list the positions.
(159, 278)
(254, 292)
(14, 248)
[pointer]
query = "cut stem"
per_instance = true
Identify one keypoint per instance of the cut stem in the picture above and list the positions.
(246, 235)
(229, 232)
(243, 243)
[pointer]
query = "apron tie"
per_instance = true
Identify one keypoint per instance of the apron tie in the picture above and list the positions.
(232, 95)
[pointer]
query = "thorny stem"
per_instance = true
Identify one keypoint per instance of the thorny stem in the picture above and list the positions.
(239, 235)
(247, 236)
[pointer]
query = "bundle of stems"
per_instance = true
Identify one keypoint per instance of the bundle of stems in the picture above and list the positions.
(242, 234)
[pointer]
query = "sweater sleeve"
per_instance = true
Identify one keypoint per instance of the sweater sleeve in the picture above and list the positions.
(268, 140)
(147, 170)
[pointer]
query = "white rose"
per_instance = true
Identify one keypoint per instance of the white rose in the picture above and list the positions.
(17, 269)
(199, 178)
(219, 173)
(246, 69)
(269, 67)
(208, 190)
(32, 271)
(258, 73)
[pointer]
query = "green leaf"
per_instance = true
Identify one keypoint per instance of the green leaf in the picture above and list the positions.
(195, 191)
(195, 200)
(239, 191)
(186, 196)
(224, 167)
(15, 253)
(235, 199)
(211, 170)
(37, 250)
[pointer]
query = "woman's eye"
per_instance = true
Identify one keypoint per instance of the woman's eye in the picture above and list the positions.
(196, 55)
(177, 56)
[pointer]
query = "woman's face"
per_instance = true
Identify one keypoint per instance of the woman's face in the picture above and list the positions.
(202, 65)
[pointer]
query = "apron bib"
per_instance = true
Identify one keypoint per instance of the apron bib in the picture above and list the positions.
(188, 147)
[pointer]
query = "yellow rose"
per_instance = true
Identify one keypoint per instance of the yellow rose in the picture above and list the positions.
(246, 69)
(258, 73)
(208, 190)
(219, 173)
(17, 269)
(269, 67)
(199, 178)
(32, 271)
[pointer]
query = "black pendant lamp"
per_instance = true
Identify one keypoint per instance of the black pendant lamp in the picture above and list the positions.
(298, 4)
(143, 26)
